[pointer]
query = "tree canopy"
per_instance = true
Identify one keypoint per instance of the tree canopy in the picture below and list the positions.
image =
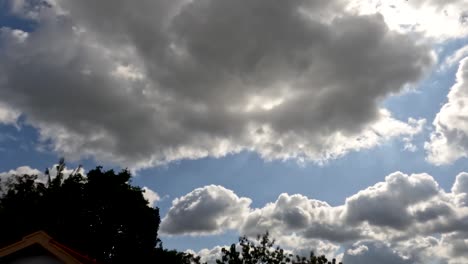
(102, 214)
(263, 251)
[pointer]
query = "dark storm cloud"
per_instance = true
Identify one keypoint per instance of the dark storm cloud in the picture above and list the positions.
(147, 82)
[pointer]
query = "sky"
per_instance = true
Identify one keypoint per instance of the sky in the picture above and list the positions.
(338, 126)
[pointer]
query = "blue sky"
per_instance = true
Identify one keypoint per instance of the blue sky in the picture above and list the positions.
(238, 130)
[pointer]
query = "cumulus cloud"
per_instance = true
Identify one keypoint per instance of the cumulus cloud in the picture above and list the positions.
(298, 214)
(6, 176)
(209, 255)
(374, 252)
(387, 203)
(188, 79)
(460, 189)
(151, 196)
(319, 247)
(8, 116)
(21, 171)
(437, 19)
(449, 140)
(404, 219)
(206, 210)
(454, 244)
(41, 176)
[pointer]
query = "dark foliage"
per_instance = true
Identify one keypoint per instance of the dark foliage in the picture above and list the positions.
(101, 215)
(263, 251)
(172, 256)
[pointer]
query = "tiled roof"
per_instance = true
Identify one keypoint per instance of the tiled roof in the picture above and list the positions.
(60, 251)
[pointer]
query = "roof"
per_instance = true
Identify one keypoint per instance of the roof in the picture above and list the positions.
(52, 247)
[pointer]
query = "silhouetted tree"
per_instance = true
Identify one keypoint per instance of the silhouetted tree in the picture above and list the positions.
(101, 215)
(263, 251)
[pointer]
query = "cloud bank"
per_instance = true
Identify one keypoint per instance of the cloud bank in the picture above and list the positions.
(404, 219)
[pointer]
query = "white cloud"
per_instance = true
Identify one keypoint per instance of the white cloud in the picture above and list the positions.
(455, 245)
(21, 171)
(151, 196)
(437, 19)
(449, 141)
(359, 250)
(41, 176)
(164, 84)
(209, 255)
(66, 171)
(8, 116)
(308, 218)
(318, 247)
(404, 219)
(370, 252)
(207, 210)
(455, 58)
(5, 176)
(460, 189)
(387, 203)
(272, 145)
